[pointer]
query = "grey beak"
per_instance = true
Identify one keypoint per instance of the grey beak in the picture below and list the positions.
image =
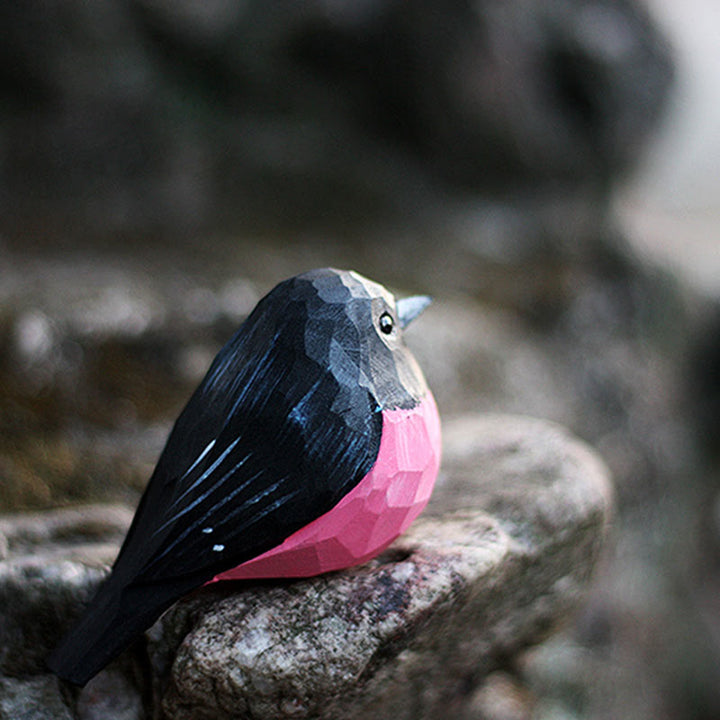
(409, 308)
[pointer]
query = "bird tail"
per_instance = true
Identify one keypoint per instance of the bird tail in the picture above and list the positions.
(114, 618)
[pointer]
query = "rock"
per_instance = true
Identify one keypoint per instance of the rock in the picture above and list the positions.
(41, 698)
(98, 405)
(40, 595)
(97, 357)
(158, 115)
(703, 381)
(503, 553)
(53, 564)
(89, 524)
(500, 697)
(36, 698)
(112, 695)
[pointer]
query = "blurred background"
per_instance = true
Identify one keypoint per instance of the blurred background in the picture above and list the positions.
(547, 170)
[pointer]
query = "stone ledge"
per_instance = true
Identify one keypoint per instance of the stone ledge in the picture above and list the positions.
(504, 552)
(502, 555)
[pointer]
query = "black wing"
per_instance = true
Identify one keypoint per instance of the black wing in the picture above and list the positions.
(266, 474)
(271, 440)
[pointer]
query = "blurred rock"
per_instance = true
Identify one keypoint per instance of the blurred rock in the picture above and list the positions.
(53, 564)
(146, 115)
(112, 695)
(87, 419)
(703, 380)
(503, 554)
(41, 698)
(97, 357)
(500, 697)
(24, 534)
(34, 698)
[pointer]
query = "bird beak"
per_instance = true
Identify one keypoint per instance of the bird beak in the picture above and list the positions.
(409, 308)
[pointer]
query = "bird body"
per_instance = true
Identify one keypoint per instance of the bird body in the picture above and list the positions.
(312, 442)
(375, 512)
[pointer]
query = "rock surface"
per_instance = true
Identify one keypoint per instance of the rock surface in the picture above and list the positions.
(149, 114)
(53, 561)
(503, 553)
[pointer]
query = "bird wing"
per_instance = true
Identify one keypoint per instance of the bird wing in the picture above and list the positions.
(273, 448)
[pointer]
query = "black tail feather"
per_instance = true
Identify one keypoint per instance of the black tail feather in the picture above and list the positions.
(114, 618)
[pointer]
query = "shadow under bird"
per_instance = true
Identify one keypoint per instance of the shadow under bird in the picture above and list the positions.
(310, 445)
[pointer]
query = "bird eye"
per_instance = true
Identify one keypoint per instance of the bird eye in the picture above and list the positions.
(387, 324)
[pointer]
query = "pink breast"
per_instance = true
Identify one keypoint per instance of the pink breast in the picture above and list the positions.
(373, 513)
